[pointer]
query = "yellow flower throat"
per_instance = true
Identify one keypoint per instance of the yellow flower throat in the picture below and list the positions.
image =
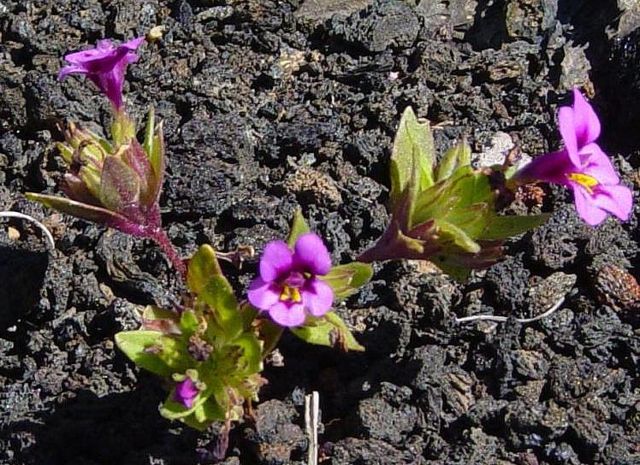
(586, 181)
(290, 294)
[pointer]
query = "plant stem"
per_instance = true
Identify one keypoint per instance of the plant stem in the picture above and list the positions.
(160, 237)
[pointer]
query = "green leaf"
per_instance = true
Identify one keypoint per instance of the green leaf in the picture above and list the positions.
(504, 227)
(251, 358)
(411, 159)
(205, 414)
(432, 203)
(173, 410)
(248, 315)
(189, 322)
(472, 220)
(202, 266)
(456, 156)
(451, 233)
(218, 294)
(119, 185)
(123, 129)
(205, 279)
(154, 148)
(159, 319)
(329, 331)
(78, 209)
(347, 279)
(470, 187)
(299, 227)
(152, 351)
(149, 132)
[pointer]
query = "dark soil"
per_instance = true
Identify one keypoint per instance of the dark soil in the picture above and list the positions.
(270, 105)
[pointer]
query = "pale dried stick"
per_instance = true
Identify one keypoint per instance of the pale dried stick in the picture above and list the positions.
(311, 419)
(502, 319)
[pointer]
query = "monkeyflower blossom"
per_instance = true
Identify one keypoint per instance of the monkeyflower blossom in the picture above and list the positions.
(105, 65)
(582, 166)
(288, 287)
(186, 392)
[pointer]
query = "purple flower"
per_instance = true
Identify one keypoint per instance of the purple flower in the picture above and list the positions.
(288, 287)
(582, 166)
(186, 392)
(105, 65)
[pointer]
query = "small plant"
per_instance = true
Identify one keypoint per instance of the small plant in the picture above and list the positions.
(114, 182)
(210, 349)
(447, 214)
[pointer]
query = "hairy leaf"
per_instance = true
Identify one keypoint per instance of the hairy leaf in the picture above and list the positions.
(457, 156)
(78, 209)
(412, 158)
(504, 227)
(219, 296)
(299, 227)
(119, 185)
(329, 331)
(347, 279)
(153, 351)
(202, 266)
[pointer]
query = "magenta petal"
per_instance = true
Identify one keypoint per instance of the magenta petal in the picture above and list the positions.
(586, 207)
(549, 167)
(587, 124)
(277, 259)
(287, 314)
(133, 44)
(312, 254)
(105, 65)
(186, 392)
(317, 297)
(263, 295)
(568, 132)
(617, 200)
(71, 69)
(598, 164)
(84, 56)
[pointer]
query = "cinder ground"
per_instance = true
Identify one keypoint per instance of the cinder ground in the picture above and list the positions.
(271, 105)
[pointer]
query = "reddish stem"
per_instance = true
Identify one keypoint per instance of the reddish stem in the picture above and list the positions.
(161, 238)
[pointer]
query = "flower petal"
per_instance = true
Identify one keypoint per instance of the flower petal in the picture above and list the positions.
(133, 44)
(277, 259)
(185, 392)
(587, 124)
(83, 56)
(567, 130)
(312, 254)
(586, 207)
(71, 69)
(263, 295)
(550, 167)
(617, 200)
(317, 297)
(287, 314)
(105, 65)
(596, 163)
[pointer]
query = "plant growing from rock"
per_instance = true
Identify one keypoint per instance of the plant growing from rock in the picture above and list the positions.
(114, 182)
(448, 213)
(210, 349)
